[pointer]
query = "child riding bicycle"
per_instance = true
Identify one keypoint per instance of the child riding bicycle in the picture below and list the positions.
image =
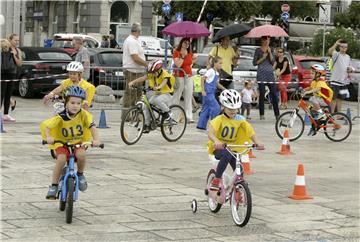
(162, 84)
(228, 128)
(322, 93)
(75, 70)
(73, 125)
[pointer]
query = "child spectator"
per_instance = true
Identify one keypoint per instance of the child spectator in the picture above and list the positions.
(247, 94)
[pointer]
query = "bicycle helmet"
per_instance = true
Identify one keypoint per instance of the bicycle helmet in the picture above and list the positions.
(154, 66)
(75, 66)
(318, 69)
(230, 98)
(75, 91)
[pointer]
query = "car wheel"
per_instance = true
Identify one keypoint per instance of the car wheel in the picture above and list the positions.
(25, 88)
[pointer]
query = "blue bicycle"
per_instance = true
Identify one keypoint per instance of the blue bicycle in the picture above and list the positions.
(68, 189)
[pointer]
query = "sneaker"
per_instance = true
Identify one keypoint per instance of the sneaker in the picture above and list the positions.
(191, 121)
(196, 108)
(52, 192)
(12, 104)
(248, 118)
(167, 116)
(82, 183)
(312, 132)
(146, 129)
(215, 184)
(262, 117)
(321, 116)
(8, 118)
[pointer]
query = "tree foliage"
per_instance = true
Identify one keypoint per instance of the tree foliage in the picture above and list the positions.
(331, 36)
(350, 18)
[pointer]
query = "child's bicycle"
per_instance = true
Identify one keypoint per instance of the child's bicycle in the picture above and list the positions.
(68, 188)
(133, 123)
(234, 188)
(336, 127)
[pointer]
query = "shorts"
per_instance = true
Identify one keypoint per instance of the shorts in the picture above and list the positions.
(64, 150)
(337, 93)
(245, 105)
(318, 100)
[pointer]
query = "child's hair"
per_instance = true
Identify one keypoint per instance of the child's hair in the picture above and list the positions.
(5, 45)
(247, 83)
(215, 60)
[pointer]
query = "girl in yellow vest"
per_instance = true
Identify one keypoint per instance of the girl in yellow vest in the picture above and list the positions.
(75, 70)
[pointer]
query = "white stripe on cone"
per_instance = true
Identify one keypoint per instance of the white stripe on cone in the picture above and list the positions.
(300, 180)
(285, 141)
(245, 158)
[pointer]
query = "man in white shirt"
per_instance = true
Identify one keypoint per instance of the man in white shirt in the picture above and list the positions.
(340, 74)
(134, 65)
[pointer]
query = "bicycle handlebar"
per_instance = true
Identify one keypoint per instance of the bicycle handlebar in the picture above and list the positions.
(44, 142)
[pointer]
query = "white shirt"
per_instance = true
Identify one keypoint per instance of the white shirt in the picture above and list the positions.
(339, 73)
(247, 95)
(132, 46)
(210, 75)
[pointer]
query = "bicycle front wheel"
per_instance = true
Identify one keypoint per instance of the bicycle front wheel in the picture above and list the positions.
(173, 129)
(132, 126)
(70, 199)
(214, 206)
(292, 121)
(241, 204)
(338, 127)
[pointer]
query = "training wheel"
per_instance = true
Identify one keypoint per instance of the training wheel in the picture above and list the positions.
(194, 205)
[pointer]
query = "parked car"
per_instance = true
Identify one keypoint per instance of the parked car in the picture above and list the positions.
(244, 71)
(65, 41)
(304, 64)
(154, 47)
(42, 64)
(106, 64)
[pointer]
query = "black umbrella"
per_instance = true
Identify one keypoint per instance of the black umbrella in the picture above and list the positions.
(233, 31)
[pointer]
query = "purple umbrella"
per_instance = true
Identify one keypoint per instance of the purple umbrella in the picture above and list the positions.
(187, 29)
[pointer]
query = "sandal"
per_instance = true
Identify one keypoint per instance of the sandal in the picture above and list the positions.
(12, 107)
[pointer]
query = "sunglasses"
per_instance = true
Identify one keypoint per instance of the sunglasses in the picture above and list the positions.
(343, 46)
(280, 52)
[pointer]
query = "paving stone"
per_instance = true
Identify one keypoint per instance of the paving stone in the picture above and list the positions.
(33, 233)
(313, 235)
(185, 234)
(126, 236)
(149, 226)
(253, 237)
(347, 232)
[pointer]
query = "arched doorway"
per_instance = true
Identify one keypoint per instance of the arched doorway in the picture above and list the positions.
(119, 16)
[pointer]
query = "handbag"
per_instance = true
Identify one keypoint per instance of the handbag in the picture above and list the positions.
(7, 63)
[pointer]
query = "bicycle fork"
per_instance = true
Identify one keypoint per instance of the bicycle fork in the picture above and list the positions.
(70, 172)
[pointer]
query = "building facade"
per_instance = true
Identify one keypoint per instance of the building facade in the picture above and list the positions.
(36, 21)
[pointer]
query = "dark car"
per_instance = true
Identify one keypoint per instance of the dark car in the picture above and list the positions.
(106, 68)
(43, 68)
(354, 80)
(304, 64)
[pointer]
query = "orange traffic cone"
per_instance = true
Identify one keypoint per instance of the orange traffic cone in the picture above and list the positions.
(246, 164)
(251, 154)
(285, 146)
(299, 192)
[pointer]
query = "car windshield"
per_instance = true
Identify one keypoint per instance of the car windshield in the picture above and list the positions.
(111, 59)
(62, 44)
(356, 65)
(245, 65)
(306, 64)
(201, 61)
(54, 56)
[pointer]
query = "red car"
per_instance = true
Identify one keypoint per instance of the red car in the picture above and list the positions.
(304, 64)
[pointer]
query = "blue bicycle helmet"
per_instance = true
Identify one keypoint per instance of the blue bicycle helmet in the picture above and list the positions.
(75, 91)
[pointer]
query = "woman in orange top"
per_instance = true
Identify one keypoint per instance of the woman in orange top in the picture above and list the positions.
(184, 58)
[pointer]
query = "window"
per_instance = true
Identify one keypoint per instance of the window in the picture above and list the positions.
(111, 59)
(245, 65)
(306, 64)
(54, 56)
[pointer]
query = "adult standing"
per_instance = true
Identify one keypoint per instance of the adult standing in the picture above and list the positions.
(82, 56)
(8, 73)
(105, 43)
(133, 64)
(113, 42)
(263, 58)
(14, 42)
(229, 57)
(339, 77)
(283, 73)
(184, 58)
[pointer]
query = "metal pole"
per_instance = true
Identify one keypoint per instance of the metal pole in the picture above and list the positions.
(358, 104)
(323, 52)
(201, 12)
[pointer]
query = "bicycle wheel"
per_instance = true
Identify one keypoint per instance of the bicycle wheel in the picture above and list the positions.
(241, 204)
(70, 199)
(132, 126)
(291, 120)
(338, 127)
(173, 129)
(213, 205)
(62, 204)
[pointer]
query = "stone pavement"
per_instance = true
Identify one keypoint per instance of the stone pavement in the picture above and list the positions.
(143, 192)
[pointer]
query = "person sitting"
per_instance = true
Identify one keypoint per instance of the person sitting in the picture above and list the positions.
(322, 93)
(162, 84)
(75, 70)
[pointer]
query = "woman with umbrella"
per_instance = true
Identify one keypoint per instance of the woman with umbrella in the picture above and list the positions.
(264, 59)
(184, 58)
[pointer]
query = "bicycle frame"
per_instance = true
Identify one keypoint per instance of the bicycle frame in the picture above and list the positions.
(146, 102)
(70, 172)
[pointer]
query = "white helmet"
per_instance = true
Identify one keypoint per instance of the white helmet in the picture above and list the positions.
(75, 66)
(230, 98)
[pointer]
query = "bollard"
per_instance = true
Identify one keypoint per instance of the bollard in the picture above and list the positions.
(307, 120)
(348, 113)
(102, 122)
(2, 130)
